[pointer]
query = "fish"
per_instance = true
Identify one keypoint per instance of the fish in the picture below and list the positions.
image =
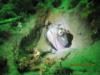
(59, 38)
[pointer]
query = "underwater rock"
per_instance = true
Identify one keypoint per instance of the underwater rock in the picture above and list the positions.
(49, 62)
(23, 65)
(33, 36)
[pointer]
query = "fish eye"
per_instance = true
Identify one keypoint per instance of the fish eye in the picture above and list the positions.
(60, 32)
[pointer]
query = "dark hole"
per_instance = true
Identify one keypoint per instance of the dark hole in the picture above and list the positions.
(3, 66)
(70, 38)
(56, 3)
(5, 35)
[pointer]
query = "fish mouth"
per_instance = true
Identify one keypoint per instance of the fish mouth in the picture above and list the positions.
(64, 40)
